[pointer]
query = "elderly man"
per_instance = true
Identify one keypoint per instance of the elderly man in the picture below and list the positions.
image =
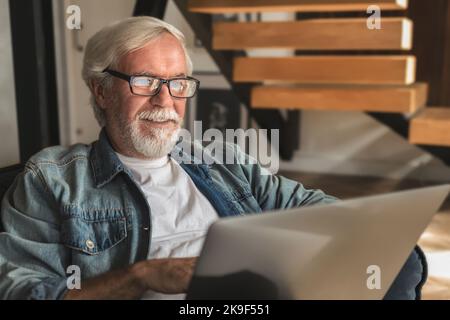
(127, 214)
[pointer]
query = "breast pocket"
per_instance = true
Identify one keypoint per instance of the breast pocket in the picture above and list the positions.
(243, 197)
(94, 231)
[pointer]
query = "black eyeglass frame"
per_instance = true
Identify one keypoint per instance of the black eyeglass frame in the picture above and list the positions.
(129, 79)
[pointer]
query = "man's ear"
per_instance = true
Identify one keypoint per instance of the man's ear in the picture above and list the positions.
(99, 92)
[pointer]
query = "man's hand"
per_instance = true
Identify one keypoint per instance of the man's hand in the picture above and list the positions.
(170, 276)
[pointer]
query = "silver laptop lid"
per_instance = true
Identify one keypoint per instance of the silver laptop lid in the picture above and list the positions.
(318, 252)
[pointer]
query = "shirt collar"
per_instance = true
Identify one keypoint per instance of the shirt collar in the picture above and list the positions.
(104, 161)
(106, 164)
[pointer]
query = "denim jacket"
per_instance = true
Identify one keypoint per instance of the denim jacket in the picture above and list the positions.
(80, 206)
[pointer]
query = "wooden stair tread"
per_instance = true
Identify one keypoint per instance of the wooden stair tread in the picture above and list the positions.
(314, 34)
(333, 69)
(431, 127)
(235, 6)
(434, 114)
(369, 98)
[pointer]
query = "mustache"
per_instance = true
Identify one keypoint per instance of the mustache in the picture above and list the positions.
(159, 115)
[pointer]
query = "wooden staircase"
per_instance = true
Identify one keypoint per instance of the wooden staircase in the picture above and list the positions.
(314, 34)
(232, 6)
(340, 64)
(431, 126)
(373, 98)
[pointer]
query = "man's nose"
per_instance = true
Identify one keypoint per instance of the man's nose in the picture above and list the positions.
(163, 98)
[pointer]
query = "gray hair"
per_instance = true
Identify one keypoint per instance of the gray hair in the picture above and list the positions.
(107, 46)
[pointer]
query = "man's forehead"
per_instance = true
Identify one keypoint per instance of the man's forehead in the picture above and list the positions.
(157, 58)
(166, 71)
(155, 74)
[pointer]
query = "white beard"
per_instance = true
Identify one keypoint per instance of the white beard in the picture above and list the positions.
(158, 142)
(155, 145)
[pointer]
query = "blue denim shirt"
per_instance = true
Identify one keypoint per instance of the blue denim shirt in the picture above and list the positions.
(80, 206)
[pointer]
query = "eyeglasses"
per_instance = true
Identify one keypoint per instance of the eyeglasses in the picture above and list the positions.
(183, 87)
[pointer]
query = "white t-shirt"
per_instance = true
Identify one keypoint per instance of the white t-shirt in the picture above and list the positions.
(180, 213)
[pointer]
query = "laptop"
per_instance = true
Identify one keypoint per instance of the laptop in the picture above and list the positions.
(350, 249)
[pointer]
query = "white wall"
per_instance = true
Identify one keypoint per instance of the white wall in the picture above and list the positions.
(77, 120)
(8, 121)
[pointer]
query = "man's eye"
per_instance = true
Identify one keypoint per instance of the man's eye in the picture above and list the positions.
(178, 85)
(145, 82)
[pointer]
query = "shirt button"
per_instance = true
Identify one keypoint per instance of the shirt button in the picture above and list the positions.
(90, 244)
